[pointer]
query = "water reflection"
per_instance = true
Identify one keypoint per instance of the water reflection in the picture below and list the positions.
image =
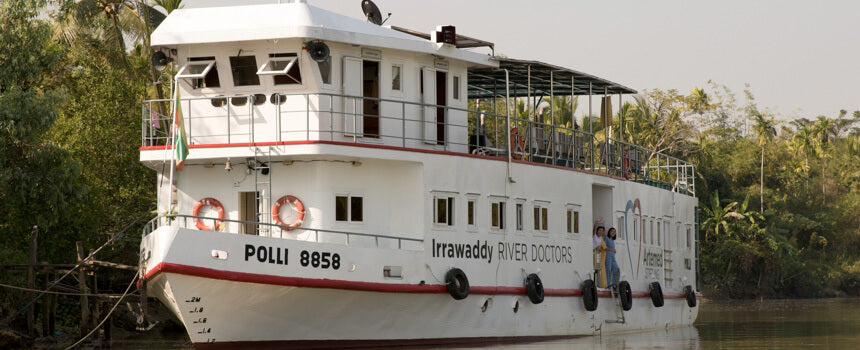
(769, 324)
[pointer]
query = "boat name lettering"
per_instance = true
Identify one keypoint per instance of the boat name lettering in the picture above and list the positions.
(478, 250)
(535, 252)
(265, 254)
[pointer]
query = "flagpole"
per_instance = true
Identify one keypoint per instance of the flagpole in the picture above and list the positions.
(173, 143)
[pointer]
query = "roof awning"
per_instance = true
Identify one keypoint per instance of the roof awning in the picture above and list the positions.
(463, 42)
(489, 82)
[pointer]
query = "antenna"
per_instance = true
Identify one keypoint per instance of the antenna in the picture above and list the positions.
(371, 12)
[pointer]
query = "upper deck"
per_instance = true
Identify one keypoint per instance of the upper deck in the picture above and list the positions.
(258, 81)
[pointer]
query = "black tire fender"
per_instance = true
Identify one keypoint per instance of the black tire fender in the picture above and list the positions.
(656, 294)
(534, 288)
(625, 294)
(589, 295)
(690, 295)
(457, 283)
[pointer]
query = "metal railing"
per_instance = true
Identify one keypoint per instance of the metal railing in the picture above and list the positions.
(252, 119)
(190, 222)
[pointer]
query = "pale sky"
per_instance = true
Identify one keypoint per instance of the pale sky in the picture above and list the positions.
(801, 58)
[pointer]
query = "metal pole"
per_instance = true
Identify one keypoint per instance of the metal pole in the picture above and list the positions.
(572, 96)
(607, 129)
(529, 92)
(508, 121)
(551, 98)
(620, 120)
(173, 142)
(590, 125)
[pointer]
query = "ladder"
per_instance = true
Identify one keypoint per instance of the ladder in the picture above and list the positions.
(619, 310)
(263, 188)
(667, 268)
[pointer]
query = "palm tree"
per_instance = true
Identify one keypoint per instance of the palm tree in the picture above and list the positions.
(765, 127)
(718, 216)
(824, 131)
(802, 142)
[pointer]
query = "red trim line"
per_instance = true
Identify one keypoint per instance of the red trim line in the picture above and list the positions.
(393, 148)
(363, 286)
(378, 343)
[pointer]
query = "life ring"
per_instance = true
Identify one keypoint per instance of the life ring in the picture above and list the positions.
(534, 288)
(690, 295)
(300, 209)
(628, 166)
(656, 294)
(589, 295)
(517, 143)
(207, 202)
(625, 294)
(457, 283)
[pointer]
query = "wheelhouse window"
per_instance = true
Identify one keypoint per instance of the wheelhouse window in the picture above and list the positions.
(541, 220)
(284, 68)
(244, 69)
(497, 215)
(201, 72)
(349, 208)
(443, 211)
(325, 71)
(396, 82)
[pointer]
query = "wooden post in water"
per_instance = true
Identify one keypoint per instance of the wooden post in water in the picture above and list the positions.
(82, 284)
(31, 280)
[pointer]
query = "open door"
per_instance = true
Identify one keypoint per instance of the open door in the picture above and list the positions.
(248, 209)
(370, 90)
(441, 100)
(428, 90)
(353, 107)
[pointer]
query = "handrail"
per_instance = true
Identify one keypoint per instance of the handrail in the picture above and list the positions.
(167, 220)
(406, 124)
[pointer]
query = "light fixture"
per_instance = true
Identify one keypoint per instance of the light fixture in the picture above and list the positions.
(228, 166)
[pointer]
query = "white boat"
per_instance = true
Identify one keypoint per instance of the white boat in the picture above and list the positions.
(340, 192)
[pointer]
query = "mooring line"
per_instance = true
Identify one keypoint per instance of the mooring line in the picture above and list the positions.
(124, 294)
(60, 293)
(83, 261)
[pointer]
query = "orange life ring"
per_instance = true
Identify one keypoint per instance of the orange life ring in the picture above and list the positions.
(517, 143)
(207, 202)
(628, 167)
(300, 209)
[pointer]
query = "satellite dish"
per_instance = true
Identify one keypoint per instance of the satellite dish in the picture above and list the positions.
(371, 12)
(160, 60)
(319, 51)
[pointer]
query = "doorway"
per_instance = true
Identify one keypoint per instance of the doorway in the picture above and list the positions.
(249, 212)
(370, 90)
(442, 101)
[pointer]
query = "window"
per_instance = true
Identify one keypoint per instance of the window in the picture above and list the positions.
(455, 91)
(540, 218)
(658, 233)
(497, 215)
(519, 216)
(637, 221)
(202, 72)
(284, 67)
(689, 245)
(443, 211)
(470, 212)
(619, 229)
(349, 209)
(576, 222)
(244, 69)
(651, 230)
(396, 82)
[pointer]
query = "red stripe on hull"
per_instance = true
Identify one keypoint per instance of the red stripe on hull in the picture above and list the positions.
(365, 344)
(364, 286)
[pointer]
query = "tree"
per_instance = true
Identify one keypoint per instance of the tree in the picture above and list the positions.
(765, 128)
(718, 217)
(38, 181)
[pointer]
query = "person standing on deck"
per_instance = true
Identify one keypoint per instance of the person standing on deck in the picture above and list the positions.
(599, 247)
(612, 270)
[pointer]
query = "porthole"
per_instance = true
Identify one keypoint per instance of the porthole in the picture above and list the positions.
(239, 101)
(278, 99)
(259, 99)
(218, 102)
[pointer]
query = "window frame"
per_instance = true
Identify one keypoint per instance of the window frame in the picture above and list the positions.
(449, 214)
(456, 92)
(540, 215)
(233, 71)
(472, 213)
(497, 209)
(399, 76)
(349, 208)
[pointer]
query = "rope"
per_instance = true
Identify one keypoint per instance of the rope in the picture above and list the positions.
(58, 293)
(120, 234)
(108, 314)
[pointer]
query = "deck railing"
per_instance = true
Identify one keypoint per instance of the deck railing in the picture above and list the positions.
(298, 233)
(253, 119)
